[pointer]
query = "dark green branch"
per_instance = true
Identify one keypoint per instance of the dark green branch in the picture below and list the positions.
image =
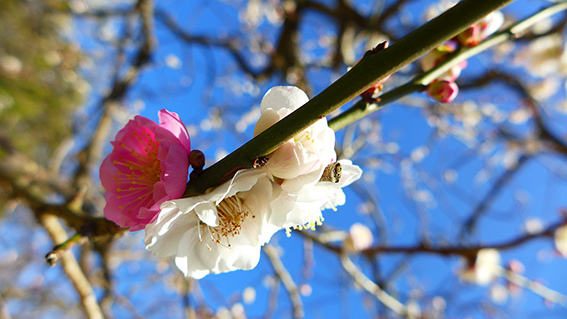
(363, 108)
(368, 71)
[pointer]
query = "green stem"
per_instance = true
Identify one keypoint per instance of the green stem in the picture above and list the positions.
(363, 108)
(53, 256)
(372, 68)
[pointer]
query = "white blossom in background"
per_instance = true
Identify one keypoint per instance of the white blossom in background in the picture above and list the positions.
(485, 269)
(560, 239)
(543, 57)
(299, 163)
(359, 238)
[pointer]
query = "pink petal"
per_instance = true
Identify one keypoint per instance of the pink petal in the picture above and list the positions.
(171, 122)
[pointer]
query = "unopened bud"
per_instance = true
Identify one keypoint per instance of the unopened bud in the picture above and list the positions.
(470, 37)
(197, 159)
(440, 54)
(481, 30)
(359, 238)
(443, 91)
(377, 87)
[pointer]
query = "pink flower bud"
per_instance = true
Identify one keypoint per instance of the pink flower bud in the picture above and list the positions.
(443, 91)
(481, 30)
(470, 37)
(440, 54)
(197, 159)
(378, 86)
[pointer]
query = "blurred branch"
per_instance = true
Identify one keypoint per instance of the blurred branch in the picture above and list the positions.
(4, 314)
(466, 251)
(491, 195)
(29, 181)
(231, 45)
(368, 285)
(273, 298)
(369, 70)
(534, 286)
(188, 284)
(287, 281)
(542, 130)
(72, 269)
(91, 154)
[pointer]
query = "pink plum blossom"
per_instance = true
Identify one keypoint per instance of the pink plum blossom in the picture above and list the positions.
(148, 166)
(443, 91)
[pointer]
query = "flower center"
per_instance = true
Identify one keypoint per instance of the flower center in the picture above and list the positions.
(232, 212)
(303, 138)
(139, 170)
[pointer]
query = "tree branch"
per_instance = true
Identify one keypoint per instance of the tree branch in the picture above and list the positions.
(368, 71)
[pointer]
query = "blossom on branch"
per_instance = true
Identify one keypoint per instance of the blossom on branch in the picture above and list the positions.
(440, 54)
(224, 229)
(308, 205)
(219, 231)
(299, 162)
(148, 166)
(443, 91)
(485, 269)
(477, 32)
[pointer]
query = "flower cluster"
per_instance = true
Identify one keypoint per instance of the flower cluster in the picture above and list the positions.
(444, 89)
(223, 229)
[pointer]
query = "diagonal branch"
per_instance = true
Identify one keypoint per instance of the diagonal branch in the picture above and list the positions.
(491, 195)
(372, 68)
(368, 285)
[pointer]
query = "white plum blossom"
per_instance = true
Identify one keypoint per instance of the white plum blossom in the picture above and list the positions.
(491, 23)
(307, 205)
(299, 162)
(485, 269)
(220, 231)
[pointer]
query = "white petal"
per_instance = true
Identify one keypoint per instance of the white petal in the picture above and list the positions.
(302, 182)
(278, 97)
(161, 245)
(267, 119)
(207, 213)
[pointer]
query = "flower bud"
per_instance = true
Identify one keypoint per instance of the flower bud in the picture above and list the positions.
(359, 238)
(443, 91)
(197, 159)
(440, 54)
(378, 86)
(481, 30)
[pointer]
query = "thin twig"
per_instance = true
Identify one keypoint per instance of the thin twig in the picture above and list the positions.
(534, 286)
(288, 282)
(53, 256)
(72, 269)
(368, 285)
